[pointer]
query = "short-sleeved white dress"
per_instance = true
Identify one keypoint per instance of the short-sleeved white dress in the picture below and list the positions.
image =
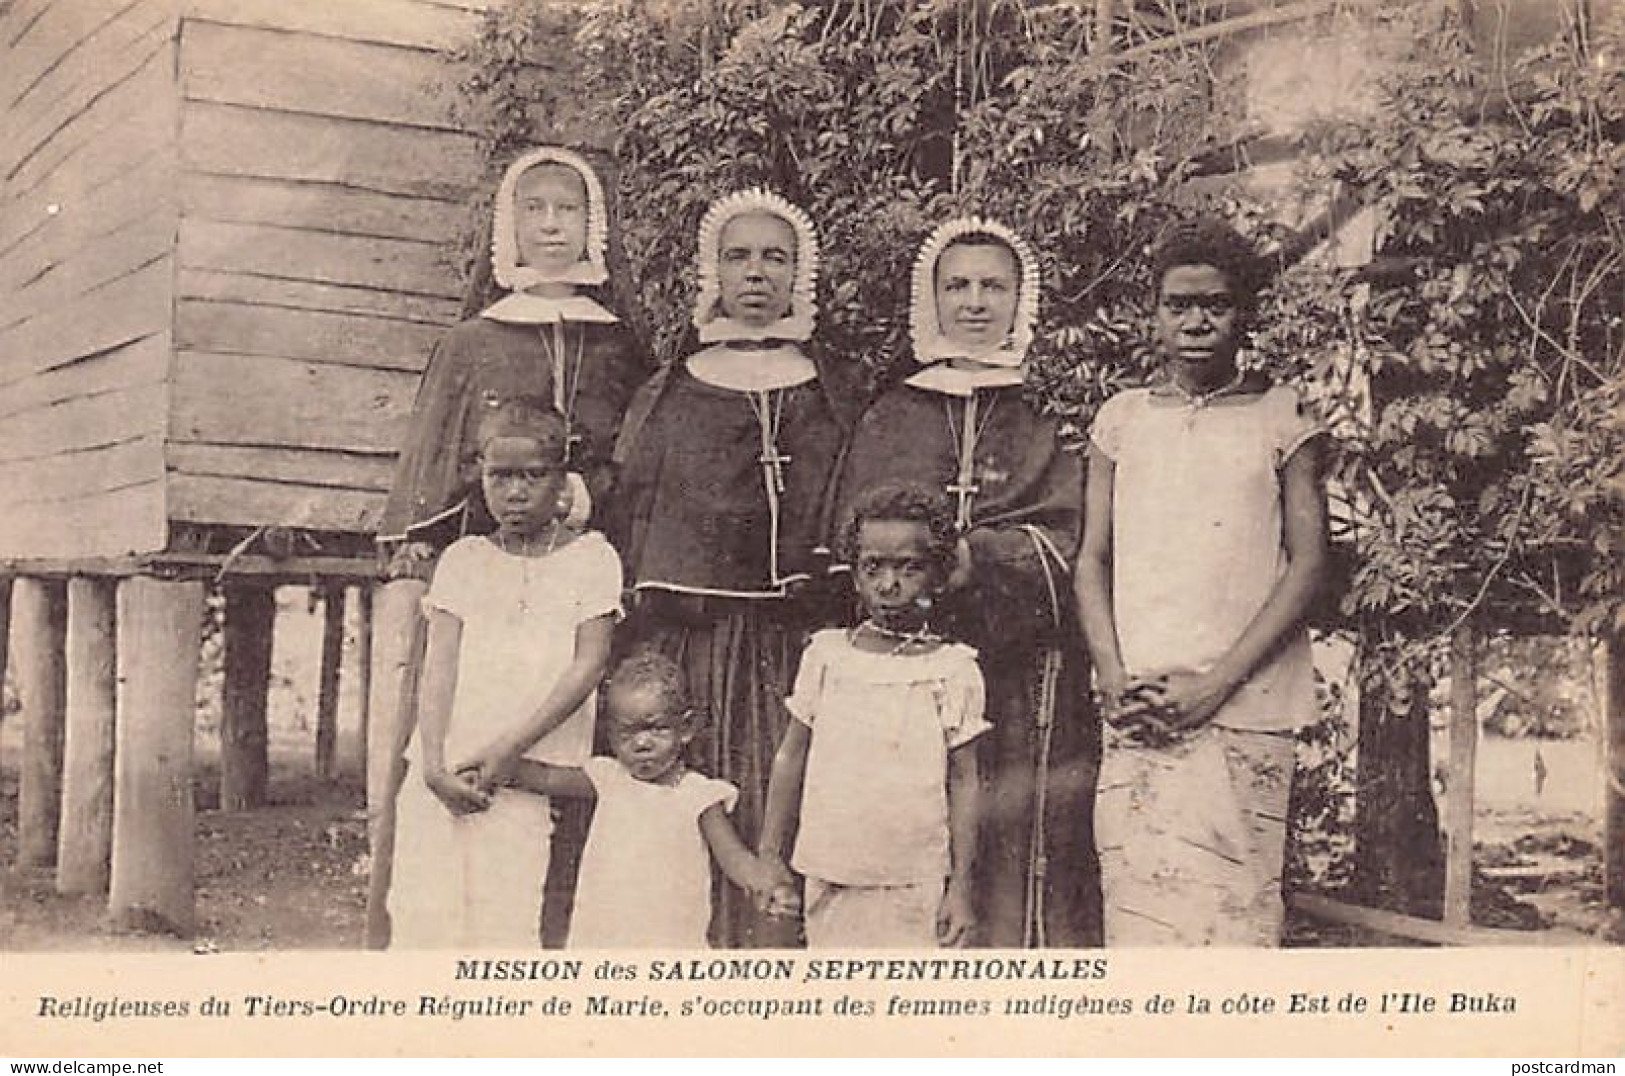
(874, 840)
(645, 878)
(477, 880)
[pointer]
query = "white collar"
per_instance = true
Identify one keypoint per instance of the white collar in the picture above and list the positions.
(752, 369)
(523, 308)
(952, 380)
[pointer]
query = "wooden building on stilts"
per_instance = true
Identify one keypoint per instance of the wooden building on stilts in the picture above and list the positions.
(224, 228)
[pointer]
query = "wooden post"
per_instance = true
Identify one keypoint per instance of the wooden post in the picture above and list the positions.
(327, 694)
(245, 762)
(153, 814)
(85, 845)
(39, 617)
(397, 657)
(5, 630)
(1459, 794)
(363, 668)
(1613, 709)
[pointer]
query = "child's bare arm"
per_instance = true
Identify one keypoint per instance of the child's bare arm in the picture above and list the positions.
(546, 779)
(783, 809)
(1091, 581)
(956, 920)
(1194, 697)
(495, 762)
(439, 688)
(742, 867)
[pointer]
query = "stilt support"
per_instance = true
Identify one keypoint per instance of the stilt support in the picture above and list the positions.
(85, 844)
(153, 819)
(245, 763)
(39, 620)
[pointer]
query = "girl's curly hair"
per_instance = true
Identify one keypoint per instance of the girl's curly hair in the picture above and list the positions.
(903, 502)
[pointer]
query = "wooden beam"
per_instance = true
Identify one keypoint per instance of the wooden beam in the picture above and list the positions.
(363, 668)
(327, 694)
(1614, 774)
(1459, 792)
(153, 813)
(1427, 930)
(85, 845)
(5, 626)
(397, 658)
(245, 764)
(203, 566)
(1257, 20)
(38, 627)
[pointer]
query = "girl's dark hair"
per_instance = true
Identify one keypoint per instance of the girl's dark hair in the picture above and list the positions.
(1211, 241)
(902, 502)
(650, 670)
(525, 416)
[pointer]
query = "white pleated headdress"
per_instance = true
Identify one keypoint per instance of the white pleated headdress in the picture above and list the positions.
(505, 263)
(930, 343)
(797, 325)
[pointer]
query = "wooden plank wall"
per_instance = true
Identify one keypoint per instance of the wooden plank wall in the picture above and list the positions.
(88, 220)
(322, 181)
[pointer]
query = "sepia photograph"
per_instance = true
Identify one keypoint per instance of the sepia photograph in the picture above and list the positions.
(511, 483)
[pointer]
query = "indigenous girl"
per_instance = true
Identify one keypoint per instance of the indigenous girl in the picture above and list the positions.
(518, 637)
(877, 773)
(1203, 548)
(551, 248)
(547, 338)
(658, 826)
(722, 493)
(960, 424)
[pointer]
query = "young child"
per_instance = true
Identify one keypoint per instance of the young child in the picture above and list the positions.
(645, 879)
(519, 630)
(879, 766)
(1204, 540)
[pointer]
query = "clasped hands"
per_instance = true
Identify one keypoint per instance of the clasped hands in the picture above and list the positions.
(1161, 709)
(467, 788)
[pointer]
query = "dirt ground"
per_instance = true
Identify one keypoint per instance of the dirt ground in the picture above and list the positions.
(289, 876)
(293, 874)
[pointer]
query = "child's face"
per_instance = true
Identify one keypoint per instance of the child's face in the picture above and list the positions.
(550, 218)
(522, 483)
(894, 572)
(647, 737)
(756, 268)
(1197, 324)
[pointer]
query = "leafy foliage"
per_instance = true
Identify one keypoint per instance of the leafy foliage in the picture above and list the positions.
(1470, 378)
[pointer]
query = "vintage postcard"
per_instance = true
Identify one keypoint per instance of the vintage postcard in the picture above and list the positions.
(563, 527)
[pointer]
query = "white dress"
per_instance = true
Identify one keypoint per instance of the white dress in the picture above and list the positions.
(1198, 539)
(477, 880)
(645, 878)
(874, 803)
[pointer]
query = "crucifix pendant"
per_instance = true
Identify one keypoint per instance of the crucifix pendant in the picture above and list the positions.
(965, 487)
(773, 463)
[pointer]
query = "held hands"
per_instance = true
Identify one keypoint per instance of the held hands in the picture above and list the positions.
(777, 896)
(412, 560)
(491, 768)
(459, 794)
